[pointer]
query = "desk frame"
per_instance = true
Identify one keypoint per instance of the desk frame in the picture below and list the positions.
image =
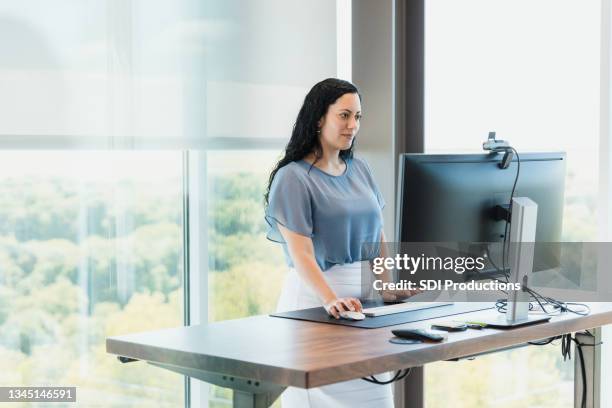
(259, 372)
(414, 384)
(247, 392)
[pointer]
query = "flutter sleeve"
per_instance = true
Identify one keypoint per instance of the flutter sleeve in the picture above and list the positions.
(289, 204)
(374, 186)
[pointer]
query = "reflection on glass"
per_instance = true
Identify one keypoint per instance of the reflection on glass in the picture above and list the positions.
(246, 270)
(90, 246)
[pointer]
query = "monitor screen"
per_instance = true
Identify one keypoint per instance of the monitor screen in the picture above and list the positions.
(452, 197)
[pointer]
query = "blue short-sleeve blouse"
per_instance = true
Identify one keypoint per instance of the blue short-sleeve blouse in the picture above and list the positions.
(339, 213)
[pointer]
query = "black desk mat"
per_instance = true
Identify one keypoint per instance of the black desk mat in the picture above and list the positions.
(318, 314)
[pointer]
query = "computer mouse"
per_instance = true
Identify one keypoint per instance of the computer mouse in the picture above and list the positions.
(349, 315)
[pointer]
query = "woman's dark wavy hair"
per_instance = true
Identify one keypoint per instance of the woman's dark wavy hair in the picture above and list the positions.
(304, 137)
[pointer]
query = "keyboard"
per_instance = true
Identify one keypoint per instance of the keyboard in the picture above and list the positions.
(402, 307)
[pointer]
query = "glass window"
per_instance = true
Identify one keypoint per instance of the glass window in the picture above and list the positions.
(212, 76)
(528, 377)
(529, 71)
(261, 61)
(246, 270)
(491, 67)
(90, 247)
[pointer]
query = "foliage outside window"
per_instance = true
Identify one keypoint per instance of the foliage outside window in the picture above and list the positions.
(85, 255)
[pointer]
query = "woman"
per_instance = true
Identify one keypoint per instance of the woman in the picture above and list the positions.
(322, 204)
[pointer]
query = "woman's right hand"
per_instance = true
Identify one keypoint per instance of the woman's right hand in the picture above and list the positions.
(337, 305)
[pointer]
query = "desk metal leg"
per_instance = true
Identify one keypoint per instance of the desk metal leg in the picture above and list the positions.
(248, 393)
(414, 388)
(249, 400)
(592, 365)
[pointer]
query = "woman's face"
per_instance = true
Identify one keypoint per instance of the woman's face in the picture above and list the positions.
(341, 123)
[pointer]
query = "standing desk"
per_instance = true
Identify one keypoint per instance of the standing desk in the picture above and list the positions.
(258, 357)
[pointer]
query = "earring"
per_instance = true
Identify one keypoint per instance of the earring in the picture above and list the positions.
(318, 131)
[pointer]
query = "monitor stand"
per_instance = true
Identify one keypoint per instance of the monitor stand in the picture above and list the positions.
(522, 239)
(503, 323)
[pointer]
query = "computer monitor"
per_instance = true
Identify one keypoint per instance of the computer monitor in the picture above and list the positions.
(452, 197)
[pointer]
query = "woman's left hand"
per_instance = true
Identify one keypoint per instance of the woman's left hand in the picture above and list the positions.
(391, 296)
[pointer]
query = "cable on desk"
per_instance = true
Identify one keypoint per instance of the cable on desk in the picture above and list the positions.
(544, 342)
(501, 304)
(397, 377)
(557, 306)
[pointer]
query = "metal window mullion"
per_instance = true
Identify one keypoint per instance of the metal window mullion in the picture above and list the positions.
(196, 256)
(408, 71)
(186, 266)
(603, 372)
(605, 144)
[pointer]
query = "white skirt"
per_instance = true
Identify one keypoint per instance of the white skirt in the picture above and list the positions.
(345, 280)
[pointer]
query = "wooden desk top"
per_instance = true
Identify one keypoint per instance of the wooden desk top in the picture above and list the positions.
(305, 354)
